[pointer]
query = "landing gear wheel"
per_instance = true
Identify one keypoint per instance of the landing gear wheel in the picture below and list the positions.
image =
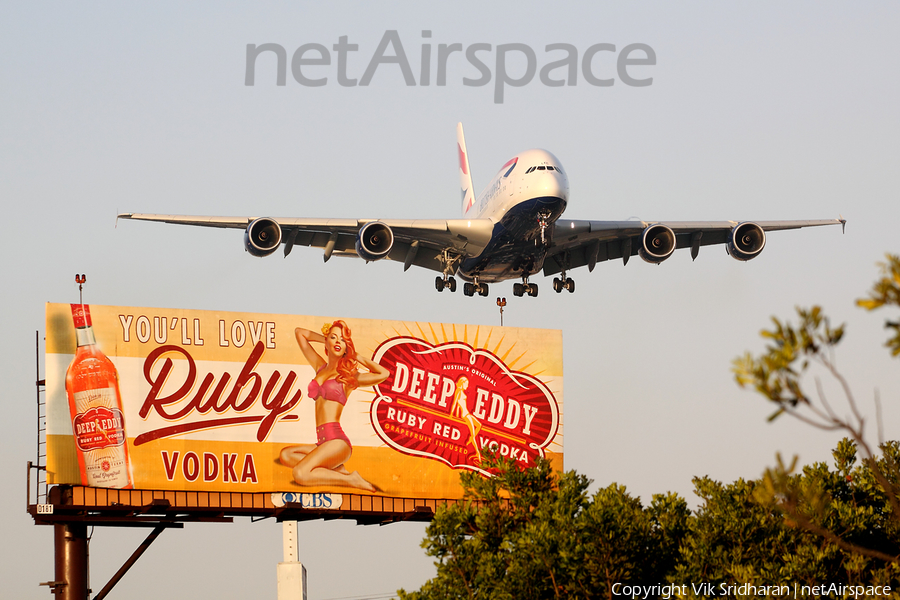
(518, 289)
(469, 289)
(482, 289)
(558, 285)
(445, 282)
(570, 285)
(533, 290)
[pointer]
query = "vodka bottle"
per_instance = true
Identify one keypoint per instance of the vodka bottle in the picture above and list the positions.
(95, 404)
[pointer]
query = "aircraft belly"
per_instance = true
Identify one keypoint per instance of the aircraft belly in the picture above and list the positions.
(515, 247)
(511, 263)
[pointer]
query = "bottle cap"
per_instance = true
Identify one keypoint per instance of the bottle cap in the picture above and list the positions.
(81, 314)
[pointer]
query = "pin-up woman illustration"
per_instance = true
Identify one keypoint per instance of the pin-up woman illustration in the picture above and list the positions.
(461, 411)
(336, 377)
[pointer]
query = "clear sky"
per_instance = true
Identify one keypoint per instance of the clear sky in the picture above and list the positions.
(756, 111)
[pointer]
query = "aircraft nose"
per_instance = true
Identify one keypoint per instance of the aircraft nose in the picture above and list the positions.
(554, 184)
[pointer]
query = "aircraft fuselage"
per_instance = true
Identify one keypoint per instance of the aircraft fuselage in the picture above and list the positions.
(525, 198)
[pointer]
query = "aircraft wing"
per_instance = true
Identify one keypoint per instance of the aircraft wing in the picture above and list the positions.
(577, 243)
(415, 242)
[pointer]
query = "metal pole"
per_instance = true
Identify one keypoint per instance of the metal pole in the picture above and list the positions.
(80, 279)
(37, 387)
(70, 545)
(41, 426)
(130, 562)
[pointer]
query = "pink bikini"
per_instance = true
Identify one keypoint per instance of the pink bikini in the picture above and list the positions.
(333, 390)
(331, 431)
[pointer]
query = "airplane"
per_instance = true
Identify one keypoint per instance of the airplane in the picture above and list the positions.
(512, 230)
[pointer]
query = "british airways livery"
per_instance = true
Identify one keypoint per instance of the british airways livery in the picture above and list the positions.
(512, 230)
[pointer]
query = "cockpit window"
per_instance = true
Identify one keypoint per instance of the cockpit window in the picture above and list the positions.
(543, 168)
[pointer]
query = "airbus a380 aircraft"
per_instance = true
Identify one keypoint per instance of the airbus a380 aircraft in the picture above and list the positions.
(512, 230)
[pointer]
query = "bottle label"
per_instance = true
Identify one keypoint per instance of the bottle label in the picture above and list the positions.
(98, 427)
(106, 468)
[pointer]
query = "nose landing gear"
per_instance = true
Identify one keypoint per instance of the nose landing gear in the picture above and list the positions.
(544, 223)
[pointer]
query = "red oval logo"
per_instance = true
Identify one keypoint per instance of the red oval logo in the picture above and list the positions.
(451, 402)
(98, 427)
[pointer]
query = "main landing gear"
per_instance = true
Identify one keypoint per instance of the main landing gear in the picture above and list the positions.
(448, 282)
(448, 261)
(520, 289)
(469, 289)
(559, 284)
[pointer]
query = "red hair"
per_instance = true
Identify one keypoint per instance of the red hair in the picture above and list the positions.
(346, 366)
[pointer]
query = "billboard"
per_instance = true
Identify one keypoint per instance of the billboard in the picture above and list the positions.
(196, 400)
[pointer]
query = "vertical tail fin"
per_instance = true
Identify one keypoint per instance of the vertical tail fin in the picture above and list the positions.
(465, 175)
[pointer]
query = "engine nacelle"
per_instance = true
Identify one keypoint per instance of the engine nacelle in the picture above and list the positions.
(657, 244)
(262, 237)
(746, 241)
(374, 241)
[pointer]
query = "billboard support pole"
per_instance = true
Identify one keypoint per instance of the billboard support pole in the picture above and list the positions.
(70, 542)
(291, 573)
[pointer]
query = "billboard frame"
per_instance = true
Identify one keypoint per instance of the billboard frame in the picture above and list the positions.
(436, 396)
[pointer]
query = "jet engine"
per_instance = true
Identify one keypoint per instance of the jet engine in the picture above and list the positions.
(657, 244)
(262, 237)
(746, 241)
(374, 241)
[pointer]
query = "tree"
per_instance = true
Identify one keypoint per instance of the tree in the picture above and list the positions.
(743, 533)
(886, 292)
(535, 534)
(820, 503)
(532, 533)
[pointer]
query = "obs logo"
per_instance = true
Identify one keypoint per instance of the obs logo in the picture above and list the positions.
(316, 501)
